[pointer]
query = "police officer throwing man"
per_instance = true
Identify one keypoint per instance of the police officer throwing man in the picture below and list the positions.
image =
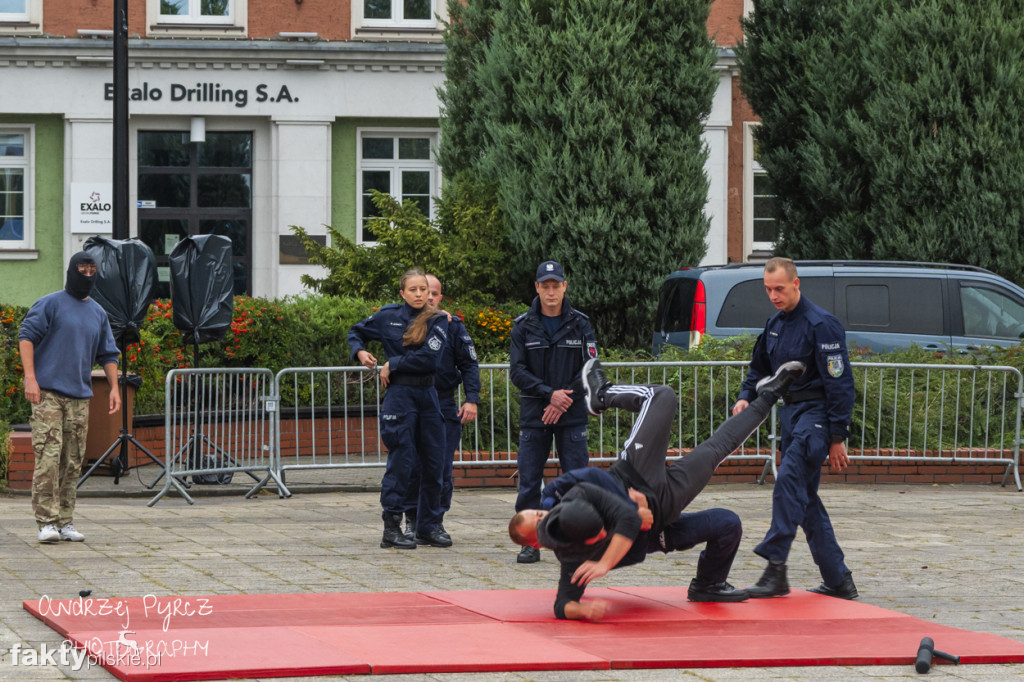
(549, 345)
(597, 520)
(815, 421)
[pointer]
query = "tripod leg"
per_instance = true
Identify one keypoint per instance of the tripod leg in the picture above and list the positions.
(100, 461)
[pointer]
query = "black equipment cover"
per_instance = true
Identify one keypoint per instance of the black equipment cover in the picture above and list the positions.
(202, 287)
(125, 279)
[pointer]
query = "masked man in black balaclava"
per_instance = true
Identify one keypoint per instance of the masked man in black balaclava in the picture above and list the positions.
(63, 335)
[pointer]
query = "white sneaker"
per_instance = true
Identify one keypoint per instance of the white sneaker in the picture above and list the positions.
(69, 534)
(49, 534)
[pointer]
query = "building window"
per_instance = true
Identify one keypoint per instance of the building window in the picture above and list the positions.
(760, 221)
(197, 17)
(14, 10)
(16, 188)
(398, 19)
(398, 13)
(21, 16)
(399, 163)
(197, 11)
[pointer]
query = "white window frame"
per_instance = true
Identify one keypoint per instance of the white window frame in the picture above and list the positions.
(234, 25)
(29, 21)
(750, 168)
(27, 162)
(194, 16)
(396, 166)
(395, 26)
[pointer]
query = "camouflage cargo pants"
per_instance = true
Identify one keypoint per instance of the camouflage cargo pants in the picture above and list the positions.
(59, 426)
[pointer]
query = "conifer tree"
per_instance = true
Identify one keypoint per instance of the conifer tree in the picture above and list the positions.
(593, 112)
(466, 35)
(892, 129)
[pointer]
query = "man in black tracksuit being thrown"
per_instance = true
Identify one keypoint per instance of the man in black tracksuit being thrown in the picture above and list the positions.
(549, 345)
(608, 519)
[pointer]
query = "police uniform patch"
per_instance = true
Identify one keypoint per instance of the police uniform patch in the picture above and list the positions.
(472, 351)
(434, 343)
(835, 365)
(592, 350)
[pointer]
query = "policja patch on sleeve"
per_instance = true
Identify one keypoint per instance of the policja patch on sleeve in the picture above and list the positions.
(592, 350)
(435, 344)
(835, 365)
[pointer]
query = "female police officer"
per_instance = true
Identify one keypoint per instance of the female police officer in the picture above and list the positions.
(413, 335)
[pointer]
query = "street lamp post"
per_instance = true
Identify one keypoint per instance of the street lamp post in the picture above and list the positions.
(120, 202)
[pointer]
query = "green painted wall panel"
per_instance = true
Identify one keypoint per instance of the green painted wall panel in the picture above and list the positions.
(22, 282)
(344, 162)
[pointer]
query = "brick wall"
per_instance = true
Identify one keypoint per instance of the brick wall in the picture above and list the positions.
(331, 19)
(724, 22)
(503, 475)
(476, 476)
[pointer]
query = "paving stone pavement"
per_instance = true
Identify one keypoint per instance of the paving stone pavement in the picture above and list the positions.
(949, 554)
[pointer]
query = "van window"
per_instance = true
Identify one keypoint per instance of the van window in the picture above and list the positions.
(675, 304)
(867, 305)
(905, 305)
(991, 313)
(747, 304)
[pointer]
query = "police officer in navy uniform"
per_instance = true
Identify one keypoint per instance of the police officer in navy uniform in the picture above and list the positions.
(815, 422)
(413, 335)
(458, 366)
(549, 345)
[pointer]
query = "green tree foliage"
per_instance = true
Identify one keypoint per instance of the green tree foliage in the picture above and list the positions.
(475, 246)
(405, 239)
(466, 247)
(892, 129)
(463, 130)
(593, 112)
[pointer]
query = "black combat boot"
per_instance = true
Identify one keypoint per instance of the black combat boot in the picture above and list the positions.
(773, 582)
(393, 535)
(436, 537)
(702, 590)
(410, 526)
(844, 590)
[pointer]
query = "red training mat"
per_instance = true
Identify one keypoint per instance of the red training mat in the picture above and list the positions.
(150, 638)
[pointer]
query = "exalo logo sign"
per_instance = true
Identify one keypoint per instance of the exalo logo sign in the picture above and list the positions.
(91, 209)
(95, 203)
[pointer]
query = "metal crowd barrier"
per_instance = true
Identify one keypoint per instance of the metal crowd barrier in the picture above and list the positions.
(944, 414)
(327, 418)
(327, 415)
(312, 418)
(219, 422)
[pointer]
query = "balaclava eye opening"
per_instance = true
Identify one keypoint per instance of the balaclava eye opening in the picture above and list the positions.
(80, 285)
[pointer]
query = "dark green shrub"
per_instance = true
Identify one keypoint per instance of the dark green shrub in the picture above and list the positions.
(466, 247)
